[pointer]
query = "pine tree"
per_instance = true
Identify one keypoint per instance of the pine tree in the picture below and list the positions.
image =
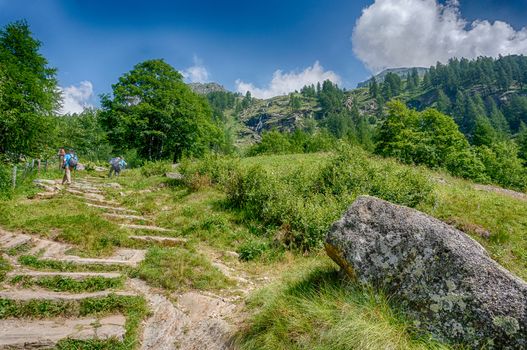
(521, 140)
(443, 101)
(373, 88)
(415, 77)
(484, 133)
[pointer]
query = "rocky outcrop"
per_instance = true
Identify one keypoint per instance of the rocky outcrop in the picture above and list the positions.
(444, 280)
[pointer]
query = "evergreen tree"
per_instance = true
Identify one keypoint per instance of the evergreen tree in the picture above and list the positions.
(521, 140)
(415, 77)
(484, 133)
(373, 88)
(443, 102)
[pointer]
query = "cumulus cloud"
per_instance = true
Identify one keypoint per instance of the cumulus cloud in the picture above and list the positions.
(407, 33)
(284, 83)
(75, 98)
(197, 73)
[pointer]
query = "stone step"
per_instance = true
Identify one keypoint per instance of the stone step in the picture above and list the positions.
(51, 250)
(10, 240)
(45, 195)
(78, 276)
(16, 241)
(172, 241)
(146, 228)
(35, 334)
(127, 217)
(29, 294)
(118, 209)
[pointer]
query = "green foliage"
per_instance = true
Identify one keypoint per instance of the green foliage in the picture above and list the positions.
(432, 139)
(427, 137)
(275, 142)
(6, 185)
(155, 112)
(252, 250)
(155, 168)
(303, 203)
(84, 133)
(521, 140)
(503, 166)
(28, 94)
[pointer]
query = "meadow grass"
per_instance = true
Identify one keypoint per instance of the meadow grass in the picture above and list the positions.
(63, 218)
(178, 269)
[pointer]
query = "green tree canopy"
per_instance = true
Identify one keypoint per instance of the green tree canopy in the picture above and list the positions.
(427, 137)
(28, 94)
(155, 112)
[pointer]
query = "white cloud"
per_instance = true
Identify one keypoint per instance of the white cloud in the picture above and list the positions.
(75, 98)
(197, 73)
(407, 33)
(284, 83)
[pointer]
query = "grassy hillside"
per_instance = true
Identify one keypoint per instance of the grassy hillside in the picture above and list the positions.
(273, 211)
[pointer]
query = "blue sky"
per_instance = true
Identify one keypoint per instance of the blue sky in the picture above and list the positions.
(242, 44)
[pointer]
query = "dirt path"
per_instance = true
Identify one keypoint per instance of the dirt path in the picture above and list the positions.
(187, 321)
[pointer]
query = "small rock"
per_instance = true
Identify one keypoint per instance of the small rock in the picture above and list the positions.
(174, 176)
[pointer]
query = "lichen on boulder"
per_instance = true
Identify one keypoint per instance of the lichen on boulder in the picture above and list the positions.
(443, 279)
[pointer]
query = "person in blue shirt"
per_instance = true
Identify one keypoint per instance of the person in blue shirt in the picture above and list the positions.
(116, 165)
(70, 163)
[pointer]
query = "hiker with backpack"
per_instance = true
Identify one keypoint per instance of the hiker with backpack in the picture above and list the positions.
(70, 163)
(116, 165)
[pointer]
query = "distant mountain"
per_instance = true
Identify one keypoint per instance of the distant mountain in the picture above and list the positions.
(205, 88)
(402, 72)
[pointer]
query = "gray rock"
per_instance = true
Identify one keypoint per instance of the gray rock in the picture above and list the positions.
(174, 176)
(444, 280)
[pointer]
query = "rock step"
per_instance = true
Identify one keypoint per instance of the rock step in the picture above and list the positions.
(35, 334)
(124, 210)
(73, 275)
(16, 241)
(10, 240)
(96, 201)
(145, 227)
(128, 217)
(29, 294)
(45, 195)
(159, 239)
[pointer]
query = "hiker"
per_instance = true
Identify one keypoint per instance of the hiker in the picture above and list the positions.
(116, 165)
(61, 155)
(70, 162)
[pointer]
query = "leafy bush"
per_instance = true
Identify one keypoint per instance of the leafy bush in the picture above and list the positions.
(251, 250)
(155, 168)
(5, 181)
(304, 202)
(275, 142)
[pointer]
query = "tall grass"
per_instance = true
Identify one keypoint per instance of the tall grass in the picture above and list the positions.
(315, 308)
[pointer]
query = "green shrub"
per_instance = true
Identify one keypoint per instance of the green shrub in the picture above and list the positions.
(5, 182)
(155, 168)
(217, 168)
(252, 250)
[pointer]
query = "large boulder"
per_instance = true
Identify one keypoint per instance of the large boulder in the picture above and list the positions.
(443, 279)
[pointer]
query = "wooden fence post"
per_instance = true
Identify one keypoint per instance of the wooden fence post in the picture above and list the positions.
(14, 176)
